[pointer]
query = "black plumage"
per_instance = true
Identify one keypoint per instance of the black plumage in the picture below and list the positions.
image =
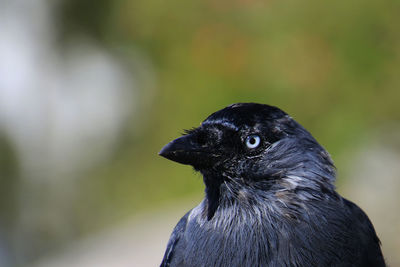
(270, 198)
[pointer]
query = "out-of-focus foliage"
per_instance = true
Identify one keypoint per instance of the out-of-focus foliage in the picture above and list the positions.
(334, 66)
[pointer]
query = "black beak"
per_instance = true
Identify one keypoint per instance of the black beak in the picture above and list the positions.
(187, 150)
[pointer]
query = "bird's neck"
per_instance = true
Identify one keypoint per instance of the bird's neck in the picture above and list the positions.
(220, 191)
(213, 193)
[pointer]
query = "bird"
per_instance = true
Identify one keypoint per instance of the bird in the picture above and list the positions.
(270, 198)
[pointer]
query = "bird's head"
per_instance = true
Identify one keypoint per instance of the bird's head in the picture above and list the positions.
(251, 142)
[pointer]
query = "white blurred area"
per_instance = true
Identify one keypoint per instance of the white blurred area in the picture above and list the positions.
(62, 110)
(65, 106)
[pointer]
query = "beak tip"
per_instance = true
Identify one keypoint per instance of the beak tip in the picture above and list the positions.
(165, 150)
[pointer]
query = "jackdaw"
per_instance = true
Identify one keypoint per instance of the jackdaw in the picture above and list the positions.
(270, 198)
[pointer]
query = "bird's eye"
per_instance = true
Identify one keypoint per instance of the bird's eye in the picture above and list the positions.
(253, 141)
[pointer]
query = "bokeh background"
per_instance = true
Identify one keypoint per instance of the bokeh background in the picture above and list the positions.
(91, 90)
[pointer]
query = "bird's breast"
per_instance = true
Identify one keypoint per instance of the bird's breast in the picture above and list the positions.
(237, 235)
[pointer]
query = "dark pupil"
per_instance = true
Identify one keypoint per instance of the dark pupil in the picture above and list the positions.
(252, 140)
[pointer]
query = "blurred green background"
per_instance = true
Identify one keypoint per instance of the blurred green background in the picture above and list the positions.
(90, 91)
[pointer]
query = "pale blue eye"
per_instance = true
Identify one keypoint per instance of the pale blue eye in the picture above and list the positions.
(253, 141)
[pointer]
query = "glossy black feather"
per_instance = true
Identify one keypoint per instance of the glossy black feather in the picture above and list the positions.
(274, 204)
(177, 233)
